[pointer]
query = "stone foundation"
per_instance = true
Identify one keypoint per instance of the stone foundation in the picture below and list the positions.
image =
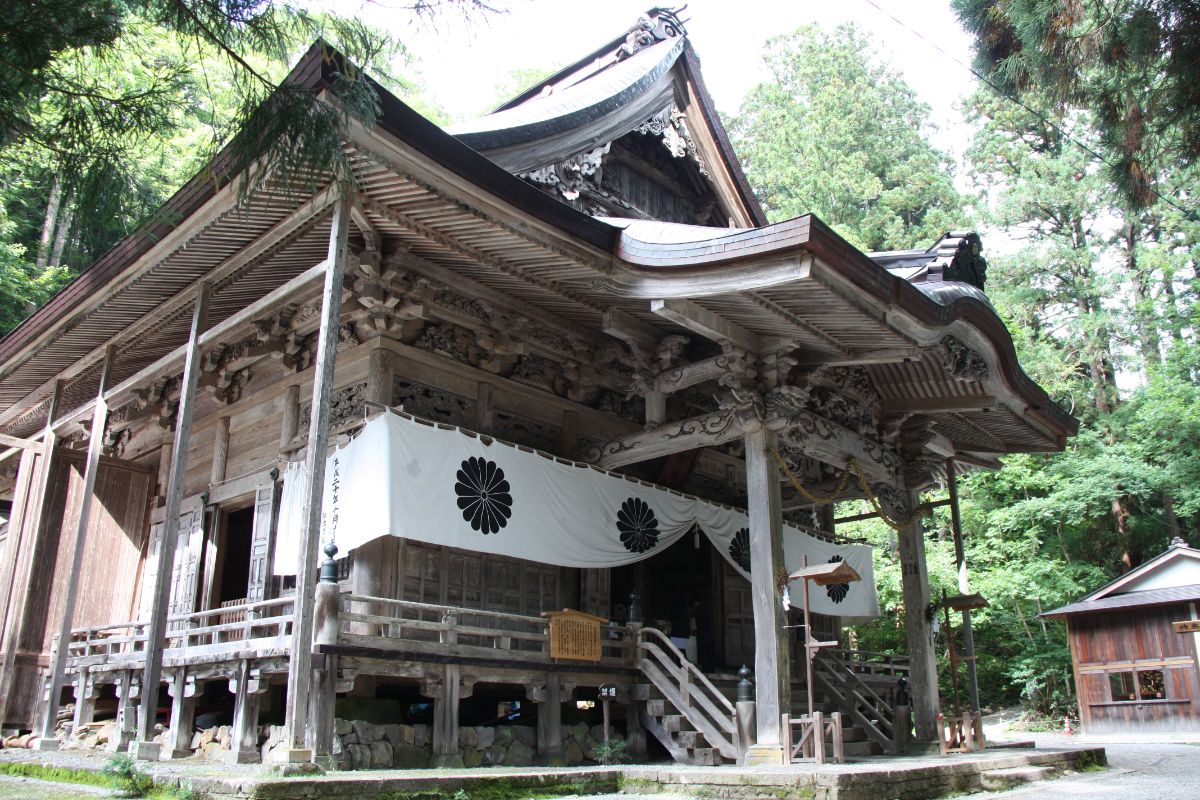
(364, 745)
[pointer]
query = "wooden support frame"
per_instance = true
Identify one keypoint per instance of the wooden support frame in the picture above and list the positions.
(143, 747)
(773, 687)
(698, 319)
(300, 664)
(306, 212)
(58, 661)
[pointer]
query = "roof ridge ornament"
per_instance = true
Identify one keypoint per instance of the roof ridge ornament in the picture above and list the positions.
(656, 25)
(671, 124)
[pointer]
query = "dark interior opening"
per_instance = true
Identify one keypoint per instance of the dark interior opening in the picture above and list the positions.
(235, 560)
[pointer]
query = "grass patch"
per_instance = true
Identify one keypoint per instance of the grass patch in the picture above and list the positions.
(83, 777)
(110, 778)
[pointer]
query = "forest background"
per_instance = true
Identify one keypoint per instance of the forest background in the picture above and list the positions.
(1085, 133)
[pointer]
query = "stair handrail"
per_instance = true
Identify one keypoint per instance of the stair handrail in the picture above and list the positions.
(717, 709)
(697, 677)
(851, 677)
(853, 692)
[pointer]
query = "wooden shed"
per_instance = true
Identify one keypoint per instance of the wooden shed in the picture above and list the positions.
(1135, 649)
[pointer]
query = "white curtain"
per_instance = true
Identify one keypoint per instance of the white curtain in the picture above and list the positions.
(443, 485)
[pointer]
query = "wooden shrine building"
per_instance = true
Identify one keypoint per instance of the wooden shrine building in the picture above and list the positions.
(1135, 649)
(582, 277)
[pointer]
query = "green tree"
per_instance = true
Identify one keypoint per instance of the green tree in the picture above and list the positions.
(840, 135)
(1131, 63)
(120, 103)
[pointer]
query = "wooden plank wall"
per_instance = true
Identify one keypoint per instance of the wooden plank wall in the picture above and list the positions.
(113, 551)
(1140, 638)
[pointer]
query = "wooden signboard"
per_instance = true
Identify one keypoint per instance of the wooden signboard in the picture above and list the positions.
(1187, 626)
(574, 635)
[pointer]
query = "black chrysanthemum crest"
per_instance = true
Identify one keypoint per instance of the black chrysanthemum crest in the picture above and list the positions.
(739, 549)
(483, 495)
(637, 525)
(837, 591)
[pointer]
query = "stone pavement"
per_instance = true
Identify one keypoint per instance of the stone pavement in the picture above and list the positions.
(1137, 772)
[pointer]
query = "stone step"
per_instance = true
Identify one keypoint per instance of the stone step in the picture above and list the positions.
(1000, 779)
(674, 723)
(860, 749)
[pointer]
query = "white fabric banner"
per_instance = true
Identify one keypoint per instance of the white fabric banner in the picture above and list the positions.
(442, 485)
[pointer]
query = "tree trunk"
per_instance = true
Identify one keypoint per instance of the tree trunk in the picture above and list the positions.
(66, 219)
(1143, 304)
(49, 223)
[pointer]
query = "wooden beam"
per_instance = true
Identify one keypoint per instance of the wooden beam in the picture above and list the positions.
(709, 430)
(300, 664)
(640, 337)
(872, 515)
(144, 747)
(25, 444)
(680, 378)
(933, 405)
(287, 227)
(698, 319)
(91, 467)
(857, 358)
(170, 360)
(822, 438)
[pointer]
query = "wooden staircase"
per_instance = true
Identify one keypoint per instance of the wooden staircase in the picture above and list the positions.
(692, 719)
(854, 698)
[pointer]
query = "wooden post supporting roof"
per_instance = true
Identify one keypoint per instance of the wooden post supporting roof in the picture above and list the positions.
(914, 576)
(59, 663)
(143, 747)
(300, 665)
(964, 583)
(772, 670)
(21, 541)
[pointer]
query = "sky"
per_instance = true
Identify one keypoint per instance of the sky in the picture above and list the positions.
(463, 60)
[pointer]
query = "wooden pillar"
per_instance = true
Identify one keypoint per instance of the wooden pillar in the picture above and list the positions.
(85, 699)
(300, 663)
(183, 714)
(549, 722)
(964, 583)
(143, 747)
(58, 663)
(923, 685)
(127, 691)
(291, 417)
(22, 542)
(656, 408)
(323, 700)
(772, 671)
(243, 747)
(220, 451)
(445, 719)
(19, 551)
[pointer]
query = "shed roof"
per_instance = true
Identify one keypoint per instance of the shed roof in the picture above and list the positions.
(1122, 592)
(1151, 597)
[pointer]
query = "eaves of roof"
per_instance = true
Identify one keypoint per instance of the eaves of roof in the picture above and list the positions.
(1150, 597)
(802, 234)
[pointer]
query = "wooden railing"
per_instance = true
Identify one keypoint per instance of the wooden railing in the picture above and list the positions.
(687, 688)
(242, 628)
(418, 628)
(866, 662)
(860, 702)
